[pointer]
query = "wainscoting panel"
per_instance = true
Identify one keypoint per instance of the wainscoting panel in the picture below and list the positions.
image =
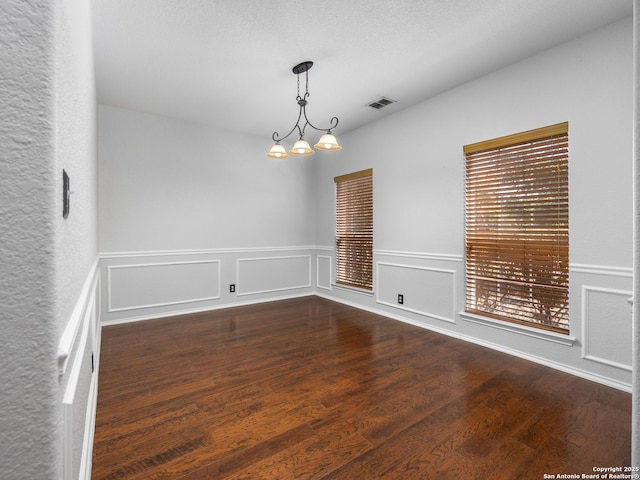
(273, 274)
(324, 274)
(149, 285)
(153, 284)
(607, 326)
(426, 291)
(78, 354)
(75, 406)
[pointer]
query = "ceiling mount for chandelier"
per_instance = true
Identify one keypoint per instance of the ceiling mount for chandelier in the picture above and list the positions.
(301, 147)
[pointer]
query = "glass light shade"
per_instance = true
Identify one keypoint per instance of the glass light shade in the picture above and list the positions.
(277, 151)
(327, 142)
(301, 148)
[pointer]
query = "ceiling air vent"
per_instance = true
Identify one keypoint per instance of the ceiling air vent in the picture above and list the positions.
(381, 102)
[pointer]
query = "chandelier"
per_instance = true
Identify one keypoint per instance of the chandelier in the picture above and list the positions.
(301, 148)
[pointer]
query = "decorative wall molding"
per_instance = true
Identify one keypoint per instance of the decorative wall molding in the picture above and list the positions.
(328, 264)
(90, 424)
(379, 291)
(133, 290)
(601, 270)
(111, 268)
(587, 346)
(68, 404)
(271, 278)
(86, 460)
(80, 394)
(201, 251)
(88, 297)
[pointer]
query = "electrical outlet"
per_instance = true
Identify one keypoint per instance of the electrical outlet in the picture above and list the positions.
(400, 299)
(232, 288)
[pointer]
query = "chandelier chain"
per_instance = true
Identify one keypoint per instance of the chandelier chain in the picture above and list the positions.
(306, 93)
(306, 86)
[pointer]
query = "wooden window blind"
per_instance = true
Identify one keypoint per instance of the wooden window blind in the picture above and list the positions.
(354, 229)
(517, 228)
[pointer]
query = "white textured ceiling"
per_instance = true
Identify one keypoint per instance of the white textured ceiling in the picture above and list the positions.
(228, 62)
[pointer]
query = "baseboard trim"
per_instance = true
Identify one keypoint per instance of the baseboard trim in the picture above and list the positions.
(626, 387)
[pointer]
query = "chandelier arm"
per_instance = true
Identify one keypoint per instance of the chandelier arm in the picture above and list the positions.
(297, 125)
(334, 124)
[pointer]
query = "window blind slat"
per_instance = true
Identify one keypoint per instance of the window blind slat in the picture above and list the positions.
(354, 229)
(517, 227)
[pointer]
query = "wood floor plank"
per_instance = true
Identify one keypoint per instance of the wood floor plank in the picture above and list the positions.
(312, 389)
(244, 458)
(312, 459)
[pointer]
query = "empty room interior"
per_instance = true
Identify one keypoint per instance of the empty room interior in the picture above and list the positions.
(332, 240)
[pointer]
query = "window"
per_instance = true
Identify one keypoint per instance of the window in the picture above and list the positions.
(517, 228)
(354, 229)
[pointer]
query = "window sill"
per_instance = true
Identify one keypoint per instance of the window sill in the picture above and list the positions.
(549, 336)
(361, 291)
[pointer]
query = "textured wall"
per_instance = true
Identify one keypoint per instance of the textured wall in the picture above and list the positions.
(47, 123)
(30, 417)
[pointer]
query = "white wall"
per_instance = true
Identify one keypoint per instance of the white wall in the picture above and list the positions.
(187, 210)
(418, 172)
(172, 185)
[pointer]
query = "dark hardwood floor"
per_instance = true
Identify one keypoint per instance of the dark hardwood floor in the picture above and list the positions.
(312, 389)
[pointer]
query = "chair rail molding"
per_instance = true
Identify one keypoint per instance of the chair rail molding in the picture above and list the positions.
(85, 303)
